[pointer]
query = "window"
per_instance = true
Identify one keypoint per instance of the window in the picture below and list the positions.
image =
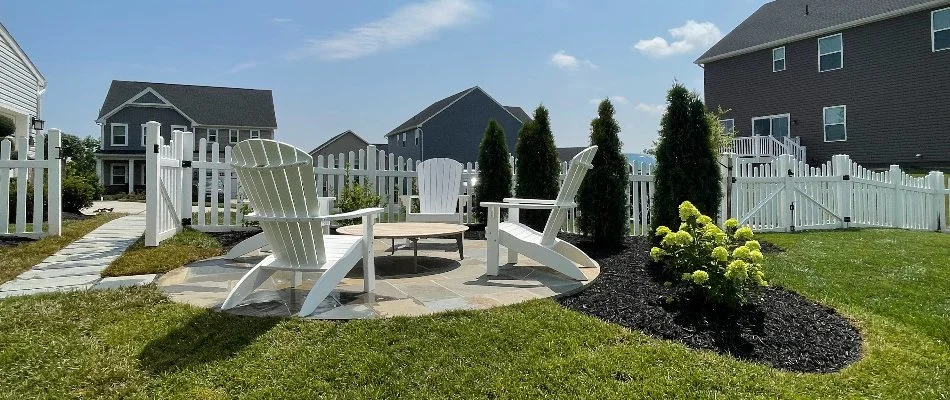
(728, 126)
(119, 174)
(143, 135)
(940, 29)
(836, 123)
(830, 53)
(179, 128)
(233, 135)
(773, 125)
(403, 137)
(120, 135)
(418, 139)
(212, 135)
(778, 59)
(255, 134)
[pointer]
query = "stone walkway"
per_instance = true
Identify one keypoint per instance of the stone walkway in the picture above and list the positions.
(79, 265)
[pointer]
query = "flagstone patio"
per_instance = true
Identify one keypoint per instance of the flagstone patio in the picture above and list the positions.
(442, 282)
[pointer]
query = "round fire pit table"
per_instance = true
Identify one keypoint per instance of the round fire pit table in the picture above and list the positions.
(413, 231)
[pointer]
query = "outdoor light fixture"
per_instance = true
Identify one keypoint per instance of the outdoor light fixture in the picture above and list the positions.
(37, 123)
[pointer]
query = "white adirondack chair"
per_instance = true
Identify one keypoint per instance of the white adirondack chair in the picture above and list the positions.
(439, 181)
(280, 184)
(543, 247)
(259, 241)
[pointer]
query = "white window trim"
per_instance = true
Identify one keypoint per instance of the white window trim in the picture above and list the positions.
(234, 135)
(417, 139)
(179, 127)
(112, 135)
(933, 31)
(784, 63)
(788, 123)
(125, 174)
(824, 124)
(733, 123)
(839, 51)
(208, 134)
(255, 134)
(143, 134)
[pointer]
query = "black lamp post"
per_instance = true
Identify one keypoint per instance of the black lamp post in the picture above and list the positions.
(37, 124)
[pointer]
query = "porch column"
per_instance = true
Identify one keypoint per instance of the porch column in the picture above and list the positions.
(102, 178)
(130, 174)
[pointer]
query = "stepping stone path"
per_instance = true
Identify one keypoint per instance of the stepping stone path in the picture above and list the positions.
(80, 264)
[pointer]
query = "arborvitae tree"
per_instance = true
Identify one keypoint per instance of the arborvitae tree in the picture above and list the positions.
(7, 126)
(602, 199)
(687, 165)
(538, 166)
(494, 171)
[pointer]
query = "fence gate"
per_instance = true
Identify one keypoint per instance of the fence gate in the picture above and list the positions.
(45, 167)
(166, 186)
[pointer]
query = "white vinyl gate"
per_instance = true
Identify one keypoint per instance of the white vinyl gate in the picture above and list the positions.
(167, 190)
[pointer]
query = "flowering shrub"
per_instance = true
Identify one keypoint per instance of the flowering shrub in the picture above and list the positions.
(724, 266)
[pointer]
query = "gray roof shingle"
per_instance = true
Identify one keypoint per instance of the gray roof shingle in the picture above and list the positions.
(785, 20)
(429, 111)
(519, 113)
(207, 105)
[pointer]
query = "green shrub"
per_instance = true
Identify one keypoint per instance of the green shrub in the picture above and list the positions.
(354, 196)
(687, 167)
(538, 167)
(78, 193)
(29, 201)
(722, 267)
(494, 170)
(7, 126)
(602, 199)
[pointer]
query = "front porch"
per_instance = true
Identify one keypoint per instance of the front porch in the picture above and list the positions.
(121, 173)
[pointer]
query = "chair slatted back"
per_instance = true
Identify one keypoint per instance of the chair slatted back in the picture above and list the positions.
(440, 182)
(572, 183)
(279, 182)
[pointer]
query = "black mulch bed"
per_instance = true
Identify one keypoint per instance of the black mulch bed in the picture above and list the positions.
(231, 238)
(784, 330)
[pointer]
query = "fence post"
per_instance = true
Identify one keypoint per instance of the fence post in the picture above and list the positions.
(54, 141)
(897, 205)
(188, 177)
(785, 213)
(371, 166)
(936, 198)
(841, 164)
(725, 171)
(152, 185)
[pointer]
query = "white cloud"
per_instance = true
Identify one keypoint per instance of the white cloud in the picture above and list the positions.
(280, 20)
(686, 38)
(243, 66)
(406, 26)
(568, 62)
(654, 109)
(616, 100)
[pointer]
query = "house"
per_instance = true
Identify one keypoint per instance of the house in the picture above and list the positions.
(868, 78)
(453, 127)
(218, 114)
(21, 86)
(342, 143)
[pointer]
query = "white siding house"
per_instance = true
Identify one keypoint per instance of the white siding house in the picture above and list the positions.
(21, 85)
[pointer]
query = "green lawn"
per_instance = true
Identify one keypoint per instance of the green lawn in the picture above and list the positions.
(16, 259)
(134, 343)
(185, 247)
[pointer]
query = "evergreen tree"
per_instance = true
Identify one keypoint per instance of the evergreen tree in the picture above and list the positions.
(538, 167)
(7, 127)
(602, 199)
(687, 166)
(494, 170)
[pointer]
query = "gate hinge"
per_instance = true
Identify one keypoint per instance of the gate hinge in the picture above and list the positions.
(186, 221)
(846, 177)
(60, 156)
(155, 148)
(734, 180)
(791, 228)
(186, 164)
(791, 207)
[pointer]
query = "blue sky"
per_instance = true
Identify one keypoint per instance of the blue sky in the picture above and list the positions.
(370, 65)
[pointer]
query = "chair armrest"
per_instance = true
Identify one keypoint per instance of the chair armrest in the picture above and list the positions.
(354, 214)
(528, 201)
(525, 206)
(406, 201)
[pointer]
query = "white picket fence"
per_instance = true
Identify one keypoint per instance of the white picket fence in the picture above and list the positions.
(780, 196)
(45, 169)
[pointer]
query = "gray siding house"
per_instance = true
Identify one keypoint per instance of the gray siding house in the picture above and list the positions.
(344, 143)
(453, 127)
(222, 115)
(21, 86)
(868, 78)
